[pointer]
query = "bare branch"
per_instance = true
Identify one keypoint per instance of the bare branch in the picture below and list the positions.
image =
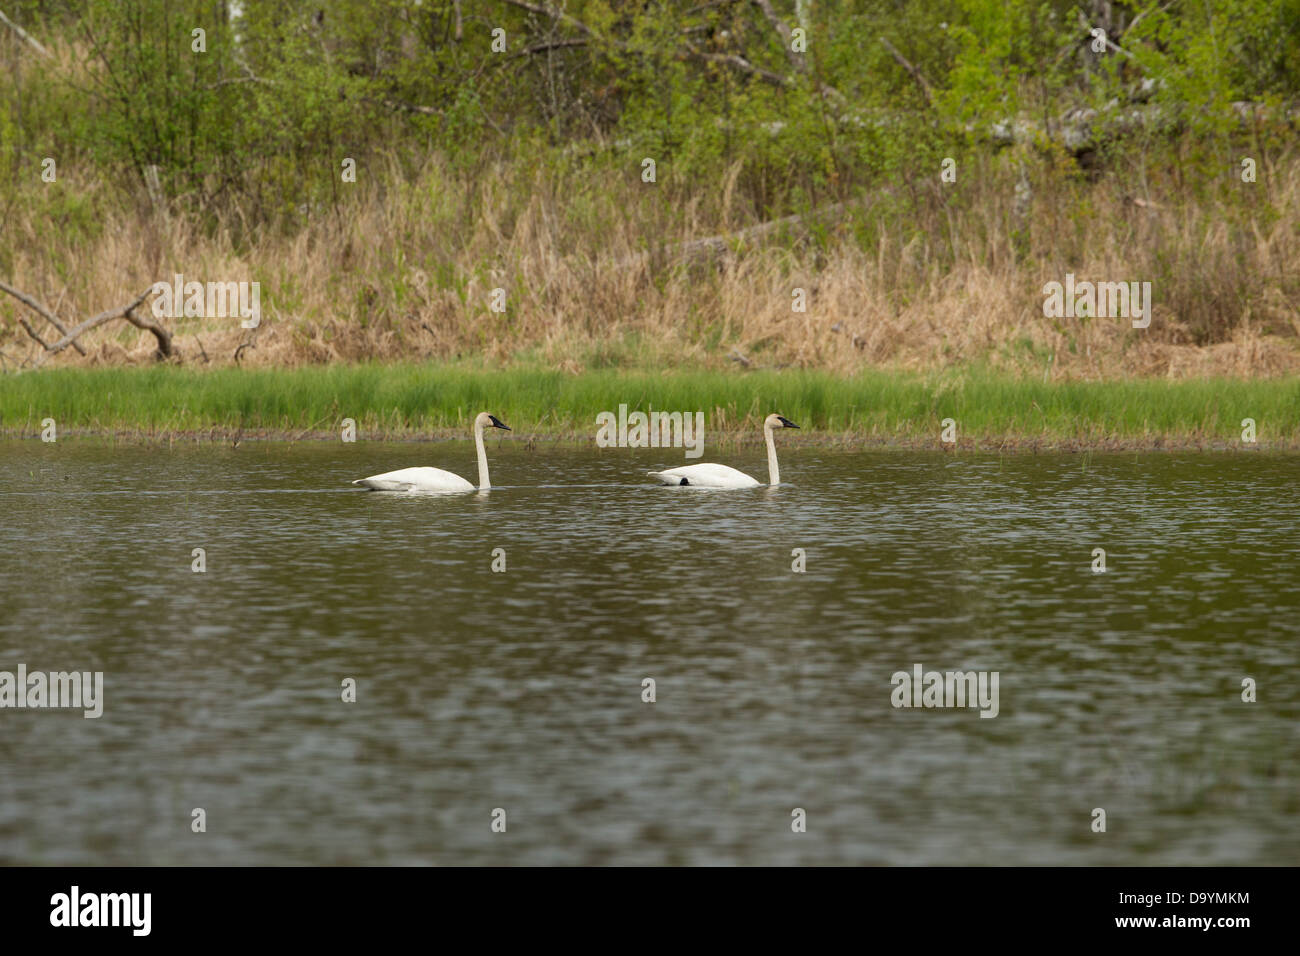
(24, 35)
(916, 73)
(783, 30)
(1106, 40)
(735, 61)
(34, 334)
(122, 312)
(712, 248)
(796, 60)
(553, 45)
(45, 313)
(560, 15)
(248, 77)
(410, 107)
(1138, 19)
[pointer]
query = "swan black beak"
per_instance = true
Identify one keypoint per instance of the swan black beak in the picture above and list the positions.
(786, 422)
(498, 423)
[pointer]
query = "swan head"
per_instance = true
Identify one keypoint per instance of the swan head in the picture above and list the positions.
(484, 420)
(778, 421)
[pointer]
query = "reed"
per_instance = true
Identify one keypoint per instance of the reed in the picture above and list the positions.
(917, 276)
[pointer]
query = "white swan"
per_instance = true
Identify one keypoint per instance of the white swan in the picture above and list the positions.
(722, 476)
(435, 480)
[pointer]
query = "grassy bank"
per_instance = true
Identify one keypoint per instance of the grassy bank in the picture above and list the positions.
(399, 191)
(413, 401)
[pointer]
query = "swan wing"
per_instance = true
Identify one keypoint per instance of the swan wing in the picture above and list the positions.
(433, 480)
(705, 476)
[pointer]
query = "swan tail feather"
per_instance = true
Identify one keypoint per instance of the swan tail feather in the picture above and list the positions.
(375, 484)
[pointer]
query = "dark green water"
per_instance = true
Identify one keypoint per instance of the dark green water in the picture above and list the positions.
(523, 690)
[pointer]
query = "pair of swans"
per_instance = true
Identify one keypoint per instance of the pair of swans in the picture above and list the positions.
(437, 481)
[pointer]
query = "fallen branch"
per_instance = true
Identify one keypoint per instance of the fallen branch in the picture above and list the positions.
(1082, 130)
(165, 349)
(45, 313)
(714, 247)
(27, 326)
(736, 61)
(122, 312)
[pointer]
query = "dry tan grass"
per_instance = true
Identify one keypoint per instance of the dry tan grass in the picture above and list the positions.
(914, 278)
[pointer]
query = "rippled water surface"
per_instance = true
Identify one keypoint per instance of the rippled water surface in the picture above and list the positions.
(523, 691)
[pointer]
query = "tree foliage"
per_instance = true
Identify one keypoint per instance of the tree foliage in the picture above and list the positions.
(802, 98)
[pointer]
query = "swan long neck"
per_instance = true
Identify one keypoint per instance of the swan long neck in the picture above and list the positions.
(773, 473)
(483, 484)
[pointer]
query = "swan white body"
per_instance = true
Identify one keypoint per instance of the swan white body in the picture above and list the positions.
(434, 480)
(706, 476)
(724, 476)
(428, 480)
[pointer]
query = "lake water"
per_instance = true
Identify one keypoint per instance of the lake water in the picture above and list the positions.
(523, 690)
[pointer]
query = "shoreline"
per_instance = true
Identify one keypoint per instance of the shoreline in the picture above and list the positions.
(983, 410)
(530, 441)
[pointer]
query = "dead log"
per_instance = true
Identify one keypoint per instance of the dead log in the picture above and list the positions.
(1083, 130)
(695, 251)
